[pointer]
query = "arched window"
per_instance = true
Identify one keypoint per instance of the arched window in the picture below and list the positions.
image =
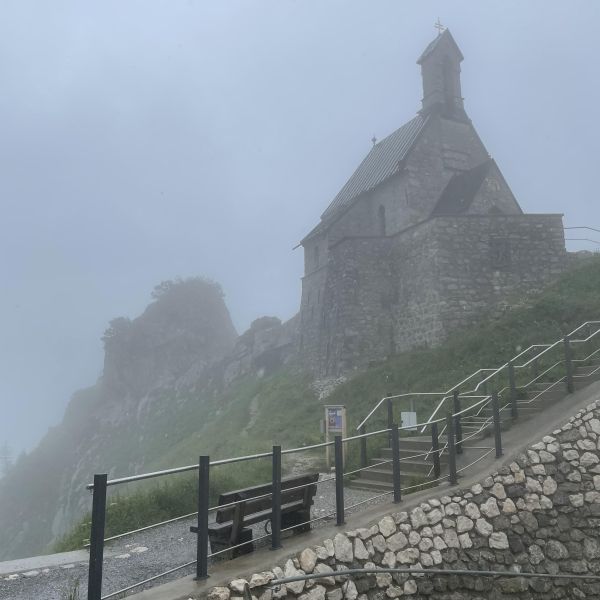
(381, 219)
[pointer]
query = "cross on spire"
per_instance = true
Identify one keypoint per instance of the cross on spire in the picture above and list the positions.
(438, 25)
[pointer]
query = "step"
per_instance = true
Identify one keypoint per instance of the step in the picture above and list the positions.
(371, 485)
(386, 453)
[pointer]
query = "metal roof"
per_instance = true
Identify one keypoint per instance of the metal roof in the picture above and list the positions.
(381, 162)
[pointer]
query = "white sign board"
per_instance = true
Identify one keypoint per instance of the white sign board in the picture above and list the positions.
(409, 419)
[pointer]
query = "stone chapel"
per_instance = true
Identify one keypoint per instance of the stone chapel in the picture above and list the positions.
(424, 238)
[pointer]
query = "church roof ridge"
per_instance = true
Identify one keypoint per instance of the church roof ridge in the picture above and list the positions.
(379, 164)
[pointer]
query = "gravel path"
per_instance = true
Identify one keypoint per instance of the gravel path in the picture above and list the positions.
(143, 555)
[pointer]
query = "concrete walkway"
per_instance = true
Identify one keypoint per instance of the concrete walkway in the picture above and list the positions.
(515, 441)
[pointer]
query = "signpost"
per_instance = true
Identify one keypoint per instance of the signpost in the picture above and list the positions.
(335, 424)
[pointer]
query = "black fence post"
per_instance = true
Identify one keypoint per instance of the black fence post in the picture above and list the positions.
(202, 539)
(363, 447)
(276, 500)
(97, 537)
(569, 364)
(457, 422)
(390, 415)
(339, 480)
(396, 463)
(497, 424)
(451, 450)
(514, 411)
(435, 448)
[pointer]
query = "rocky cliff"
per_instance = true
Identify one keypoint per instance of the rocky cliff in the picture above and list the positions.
(159, 368)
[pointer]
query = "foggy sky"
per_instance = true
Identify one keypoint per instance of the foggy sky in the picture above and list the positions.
(145, 140)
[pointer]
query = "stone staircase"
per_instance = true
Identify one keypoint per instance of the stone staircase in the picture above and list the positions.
(416, 467)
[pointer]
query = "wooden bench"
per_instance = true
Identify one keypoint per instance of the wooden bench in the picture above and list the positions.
(231, 526)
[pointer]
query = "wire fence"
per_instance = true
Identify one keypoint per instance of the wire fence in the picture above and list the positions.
(479, 405)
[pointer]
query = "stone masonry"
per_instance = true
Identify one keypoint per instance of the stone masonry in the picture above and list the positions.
(538, 514)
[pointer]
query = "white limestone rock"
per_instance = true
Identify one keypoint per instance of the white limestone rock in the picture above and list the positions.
(397, 542)
(343, 548)
(260, 579)
(472, 510)
(484, 527)
(550, 486)
(418, 518)
(290, 570)
(435, 516)
(498, 491)
(389, 560)
(308, 560)
(218, 593)
(464, 524)
(490, 508)
(410, 587)
(387, 526)
(508, 507)
(588, 459)
(453, 509)
(238, 585)
(438, 543)
(360, 552)
(451, 539)
(546, 457)
(408, 556)
(379, 543)
(498, 540)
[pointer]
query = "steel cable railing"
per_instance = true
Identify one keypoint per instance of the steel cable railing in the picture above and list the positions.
(483, 413)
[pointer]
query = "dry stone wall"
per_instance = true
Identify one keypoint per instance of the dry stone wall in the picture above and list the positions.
(538, 514)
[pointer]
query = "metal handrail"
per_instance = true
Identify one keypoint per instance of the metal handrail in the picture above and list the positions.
(445, 395)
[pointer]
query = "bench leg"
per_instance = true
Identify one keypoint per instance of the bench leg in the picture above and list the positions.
(218, 544)
(294, 519)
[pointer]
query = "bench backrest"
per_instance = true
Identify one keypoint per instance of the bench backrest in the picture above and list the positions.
(296, 488)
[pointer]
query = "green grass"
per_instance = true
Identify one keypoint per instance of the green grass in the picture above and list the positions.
(282, 409)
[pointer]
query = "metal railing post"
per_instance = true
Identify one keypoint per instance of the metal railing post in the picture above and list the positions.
(339, 480)
(453, 479)
(497, 425)
(569, 364)
(457, 422)
(276, 500)
(97, 537)
(435, 447)
(202, 538)
(396, 463)
(363, 447)
(390, 414)
(514, 411)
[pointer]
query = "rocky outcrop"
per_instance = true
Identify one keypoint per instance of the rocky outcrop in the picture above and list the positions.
(538, 514)
(182, 350)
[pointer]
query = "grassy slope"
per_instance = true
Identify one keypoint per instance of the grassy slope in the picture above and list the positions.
(254, 414)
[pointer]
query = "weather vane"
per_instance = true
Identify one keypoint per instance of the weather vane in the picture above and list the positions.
(438, 25)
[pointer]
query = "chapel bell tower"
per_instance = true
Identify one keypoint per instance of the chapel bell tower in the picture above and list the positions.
(440, 69)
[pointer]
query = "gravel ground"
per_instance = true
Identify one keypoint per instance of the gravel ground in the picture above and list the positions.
(146, 554)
